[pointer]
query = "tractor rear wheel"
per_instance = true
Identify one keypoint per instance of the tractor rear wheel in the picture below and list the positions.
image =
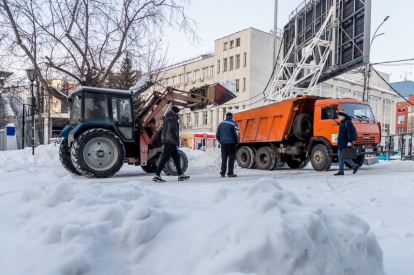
(98, 153)
(64, 157)
(171, 170)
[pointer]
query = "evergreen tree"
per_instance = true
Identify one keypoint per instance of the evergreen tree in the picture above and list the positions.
(127, 76)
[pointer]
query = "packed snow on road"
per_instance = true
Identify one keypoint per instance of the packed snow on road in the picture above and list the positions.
(262, 222)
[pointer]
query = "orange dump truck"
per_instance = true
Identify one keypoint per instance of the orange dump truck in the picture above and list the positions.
(303, 129)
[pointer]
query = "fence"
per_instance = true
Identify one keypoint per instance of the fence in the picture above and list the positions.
(401, 142)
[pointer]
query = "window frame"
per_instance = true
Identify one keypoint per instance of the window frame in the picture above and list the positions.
(231, 65)
(224, 64)
(225, 44)
(245, 59)
(238, 42)
(237, 85)
(231, 44)
(237, 61)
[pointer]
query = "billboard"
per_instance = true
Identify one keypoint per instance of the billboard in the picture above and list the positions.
(349, 34)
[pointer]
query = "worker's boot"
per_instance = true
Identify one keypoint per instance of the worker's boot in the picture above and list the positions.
(157, 179)
(183, 178)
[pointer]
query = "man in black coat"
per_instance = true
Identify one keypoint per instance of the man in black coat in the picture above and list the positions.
(228, 136)
(345, 139)
(170, 138)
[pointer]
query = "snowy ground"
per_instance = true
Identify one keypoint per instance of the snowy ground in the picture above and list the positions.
(55, 223)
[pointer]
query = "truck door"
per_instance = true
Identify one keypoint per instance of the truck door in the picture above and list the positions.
(326, 123)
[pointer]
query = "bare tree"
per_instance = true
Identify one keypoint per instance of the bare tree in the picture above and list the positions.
(85, 38)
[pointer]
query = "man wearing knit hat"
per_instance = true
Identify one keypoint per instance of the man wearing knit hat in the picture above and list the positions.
(345, 139)
(228, 136)
(170, 138)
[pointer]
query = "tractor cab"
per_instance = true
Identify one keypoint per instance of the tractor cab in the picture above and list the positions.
(107, 108)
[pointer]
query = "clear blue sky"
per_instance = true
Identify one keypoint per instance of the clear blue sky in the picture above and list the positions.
(218, 18)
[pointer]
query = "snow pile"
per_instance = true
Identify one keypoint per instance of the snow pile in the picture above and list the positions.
(45, 155)
(229, 84)
(61, 226)
(192, 154)
(211, 158)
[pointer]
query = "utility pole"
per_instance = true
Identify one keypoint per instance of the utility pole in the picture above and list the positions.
(275, 34)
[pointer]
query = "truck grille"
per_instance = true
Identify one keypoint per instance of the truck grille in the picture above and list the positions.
(365, 140)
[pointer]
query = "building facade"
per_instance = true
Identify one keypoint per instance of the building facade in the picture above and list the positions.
(245, 57)
(404, 118)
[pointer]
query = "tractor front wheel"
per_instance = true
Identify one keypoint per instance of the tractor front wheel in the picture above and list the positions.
(98, 153)
(64, 157)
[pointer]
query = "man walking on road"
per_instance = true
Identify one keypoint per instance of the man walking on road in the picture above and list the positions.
(345, 139)
(170, 138)
(228, 136)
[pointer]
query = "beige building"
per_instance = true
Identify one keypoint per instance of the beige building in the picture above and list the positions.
(245, 57)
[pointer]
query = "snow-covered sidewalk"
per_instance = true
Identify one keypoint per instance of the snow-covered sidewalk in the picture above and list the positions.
(263, 222)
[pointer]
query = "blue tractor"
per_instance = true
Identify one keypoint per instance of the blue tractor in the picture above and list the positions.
(104, 130)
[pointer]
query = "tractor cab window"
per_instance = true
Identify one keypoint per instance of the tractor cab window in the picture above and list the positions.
(75, 111)
(121, 109)
(96, 107)
(327, 112)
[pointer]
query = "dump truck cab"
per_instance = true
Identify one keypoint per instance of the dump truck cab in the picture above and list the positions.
(326, 122)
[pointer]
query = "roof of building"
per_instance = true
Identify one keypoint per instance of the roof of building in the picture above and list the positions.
(405, 88)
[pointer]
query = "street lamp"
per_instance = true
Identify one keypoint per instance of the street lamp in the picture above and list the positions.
(385, 19)
(31, 74)
(367, 68)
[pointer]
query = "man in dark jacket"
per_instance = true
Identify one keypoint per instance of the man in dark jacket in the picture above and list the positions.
(228, 136)
(170, 138)
(346, 132)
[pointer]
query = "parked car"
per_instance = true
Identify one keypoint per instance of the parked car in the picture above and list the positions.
(397, 156)
(388, 155)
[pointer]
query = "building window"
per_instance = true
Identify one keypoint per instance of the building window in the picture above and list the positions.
(197, 75)
(400, 130)
(225, 46)
(325, 90)
(401, 119)
(231, 62)
(196, 119)
(218, 66)
(174, 80)
(205, 118)
(244, 84)
(342, 93)
(236, 107)
(237, 85)
(224, 113)
(244, 59)
(374, 102)
(232, 44)
(167, 81)
(188, 120)
(211, 117)
(358, 96)
(225, 65)
(386, 115)
(212, 70)
(205, 72)
(244, 107)
(189, 76)
(181, 78)
(237, 61)
(238, 42)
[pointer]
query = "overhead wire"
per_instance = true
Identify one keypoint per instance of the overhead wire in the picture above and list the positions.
(391, 86)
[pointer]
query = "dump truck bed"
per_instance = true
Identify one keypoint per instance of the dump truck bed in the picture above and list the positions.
(272, 122)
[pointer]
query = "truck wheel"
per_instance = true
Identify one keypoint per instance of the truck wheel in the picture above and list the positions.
(64, 157)
(303, 164)
(98, 153)
(264, 158)
(171, 170)
(277, 165)
(320, 158)
(360, 161)
(245, 157)
(302, 126)
(293, 164)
